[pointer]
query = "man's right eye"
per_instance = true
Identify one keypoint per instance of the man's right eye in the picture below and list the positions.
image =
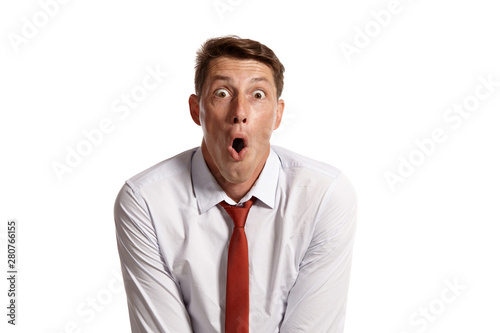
(221, 93)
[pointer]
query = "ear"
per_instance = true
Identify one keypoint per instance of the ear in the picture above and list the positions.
(279, 113)
(194, 108)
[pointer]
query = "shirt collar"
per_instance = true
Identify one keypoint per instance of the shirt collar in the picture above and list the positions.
(208, 193)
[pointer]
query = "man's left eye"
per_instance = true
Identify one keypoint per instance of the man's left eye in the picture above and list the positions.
(259, 94)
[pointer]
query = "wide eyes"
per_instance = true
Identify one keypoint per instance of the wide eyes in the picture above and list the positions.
(223, 93)
(259, 94)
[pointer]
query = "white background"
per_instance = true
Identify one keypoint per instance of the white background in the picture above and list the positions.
(360, 113)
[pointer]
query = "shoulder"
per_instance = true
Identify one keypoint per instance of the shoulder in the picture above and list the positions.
(167, 170)
(159, 180)
(303, 172)
(292, 162)
(166, 180)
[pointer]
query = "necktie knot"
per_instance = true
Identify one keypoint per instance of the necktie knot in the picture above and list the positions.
(238, 213)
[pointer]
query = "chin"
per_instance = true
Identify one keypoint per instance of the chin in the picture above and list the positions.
(237, 177)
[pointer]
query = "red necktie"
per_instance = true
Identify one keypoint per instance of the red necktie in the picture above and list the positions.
(237, 287)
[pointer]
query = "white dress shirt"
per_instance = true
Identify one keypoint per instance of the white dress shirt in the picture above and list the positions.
(173, 241)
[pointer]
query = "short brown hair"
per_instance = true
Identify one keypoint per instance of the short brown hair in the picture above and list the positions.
(239, 48)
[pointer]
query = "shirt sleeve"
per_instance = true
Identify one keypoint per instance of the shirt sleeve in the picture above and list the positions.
(317, 301)
(154, 299)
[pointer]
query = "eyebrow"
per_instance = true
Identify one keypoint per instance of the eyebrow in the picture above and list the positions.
(221, 77)
(257, 79)
(227, 78)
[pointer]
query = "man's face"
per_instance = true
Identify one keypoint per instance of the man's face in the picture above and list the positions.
(238, 110)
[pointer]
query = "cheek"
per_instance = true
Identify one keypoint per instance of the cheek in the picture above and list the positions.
(211, 127)
(207, 123)
(262, 133)
(267, 123)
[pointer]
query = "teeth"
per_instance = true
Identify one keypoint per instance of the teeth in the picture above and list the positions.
(238, 144)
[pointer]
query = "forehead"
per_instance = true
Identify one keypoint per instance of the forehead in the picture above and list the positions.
(238, 70)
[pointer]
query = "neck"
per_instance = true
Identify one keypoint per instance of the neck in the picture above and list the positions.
(235, 191)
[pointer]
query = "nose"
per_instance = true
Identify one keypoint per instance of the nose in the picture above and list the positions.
(241, 111)
(236, 120)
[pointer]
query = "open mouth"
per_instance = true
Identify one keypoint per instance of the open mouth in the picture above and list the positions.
(238, 144)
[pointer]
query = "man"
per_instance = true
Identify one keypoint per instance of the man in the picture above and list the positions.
(175, 220)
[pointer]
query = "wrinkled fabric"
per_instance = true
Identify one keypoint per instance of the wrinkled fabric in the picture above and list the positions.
(173, 241)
